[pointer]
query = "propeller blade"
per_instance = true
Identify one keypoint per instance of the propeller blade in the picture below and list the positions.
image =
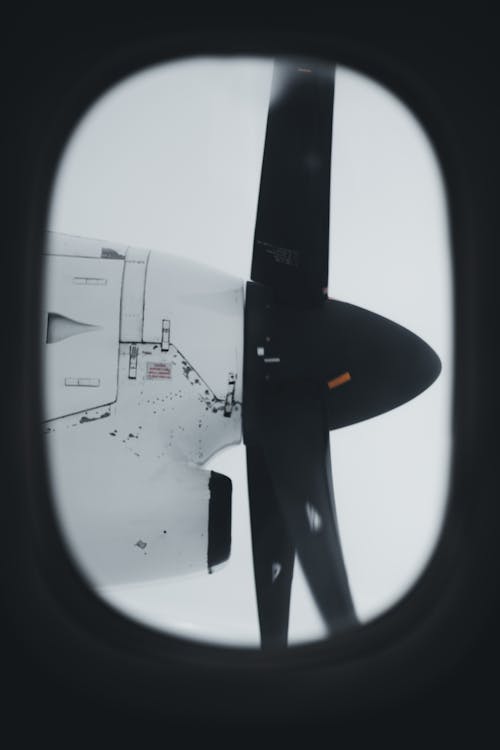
(295, 442)
(273, 553)
(290, 252)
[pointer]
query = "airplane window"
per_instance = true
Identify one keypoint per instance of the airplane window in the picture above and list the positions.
(247, 349)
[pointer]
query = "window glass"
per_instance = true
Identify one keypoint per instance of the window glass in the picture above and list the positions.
(144, 383)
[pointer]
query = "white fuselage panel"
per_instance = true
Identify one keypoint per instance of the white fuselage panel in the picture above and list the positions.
(203, 310)
(81, 324)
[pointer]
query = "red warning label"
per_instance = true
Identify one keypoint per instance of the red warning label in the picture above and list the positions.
(158, 370)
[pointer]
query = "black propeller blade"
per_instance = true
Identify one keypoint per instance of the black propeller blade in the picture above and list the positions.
(290, 253)
(296, 455)
(273, 551)
(290, 256)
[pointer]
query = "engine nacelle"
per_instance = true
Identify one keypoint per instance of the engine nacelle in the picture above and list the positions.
(142, 370)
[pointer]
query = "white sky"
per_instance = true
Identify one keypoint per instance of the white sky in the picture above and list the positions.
(171, 160)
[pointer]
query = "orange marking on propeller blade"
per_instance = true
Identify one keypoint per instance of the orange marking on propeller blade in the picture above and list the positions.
(339, 380)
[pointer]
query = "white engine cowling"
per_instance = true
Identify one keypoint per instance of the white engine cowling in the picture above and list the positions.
(142, 374)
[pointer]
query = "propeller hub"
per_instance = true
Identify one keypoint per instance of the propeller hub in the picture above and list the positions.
(363, 363)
